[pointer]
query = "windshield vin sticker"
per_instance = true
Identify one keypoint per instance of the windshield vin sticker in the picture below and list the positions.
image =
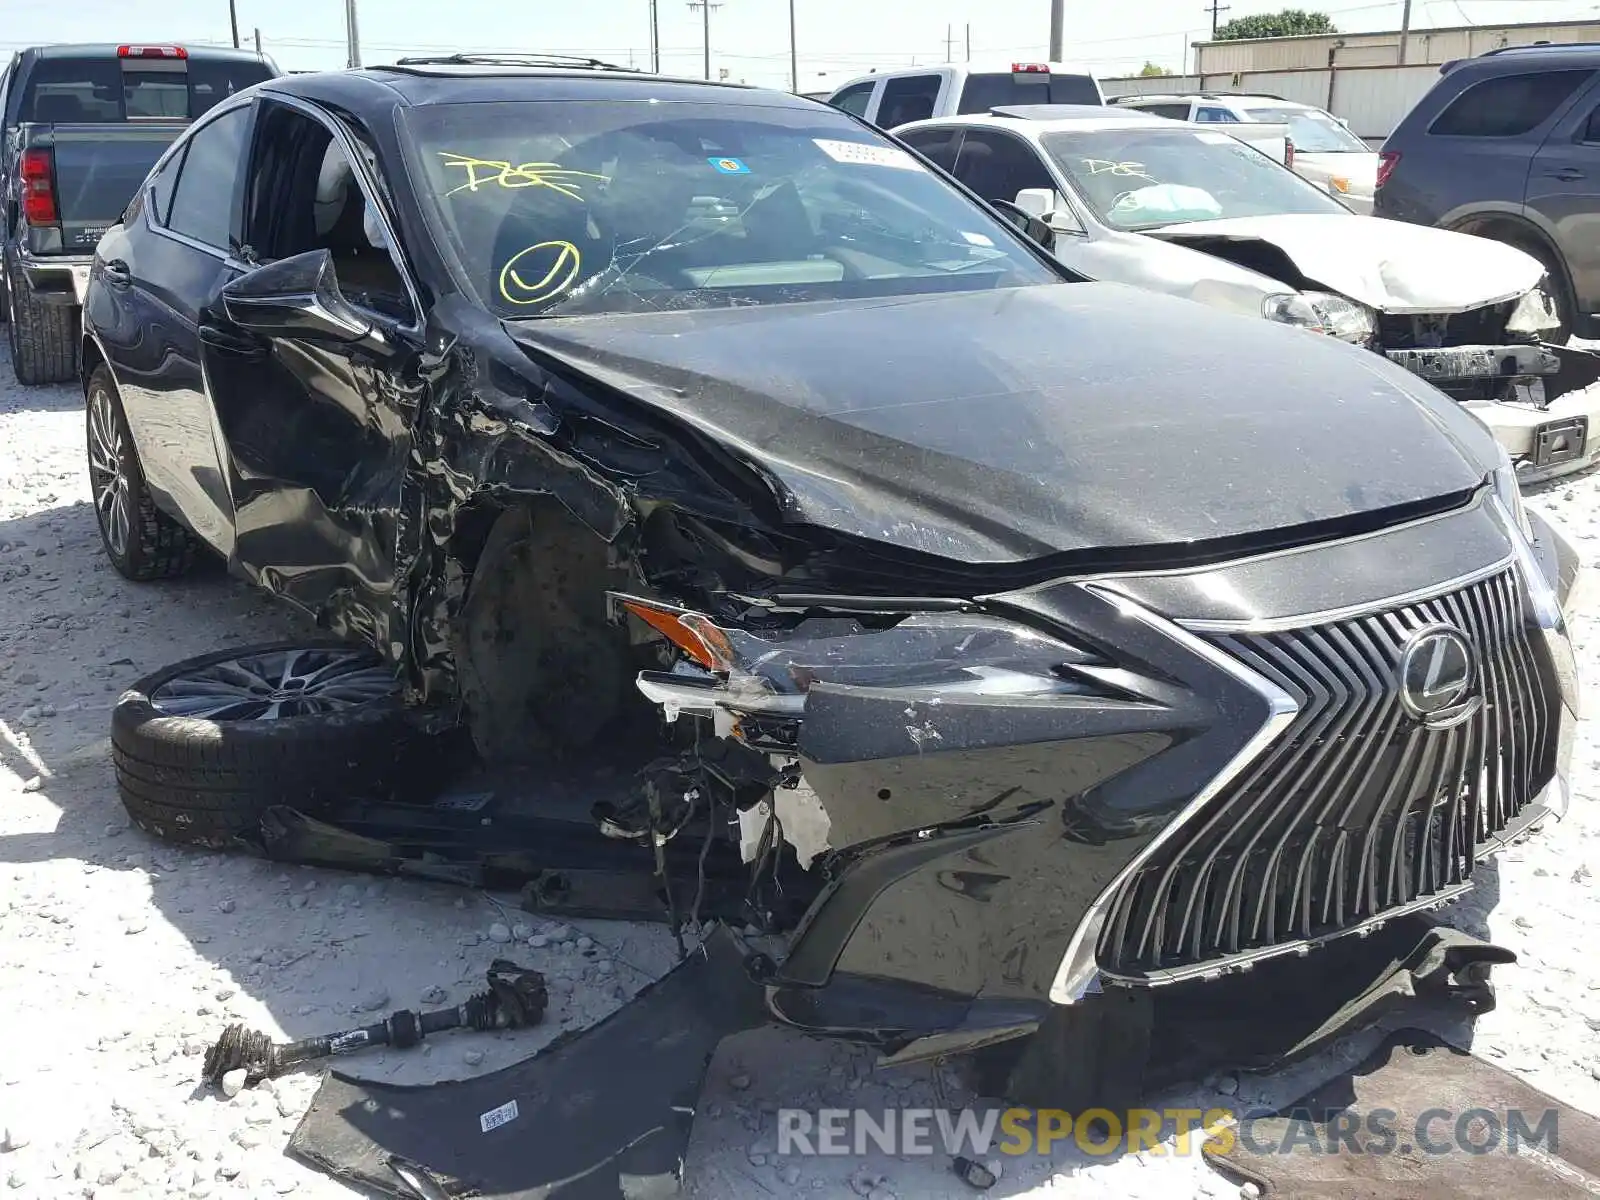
(866, 154)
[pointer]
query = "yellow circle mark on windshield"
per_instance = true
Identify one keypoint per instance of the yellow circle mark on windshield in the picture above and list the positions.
(560, 261)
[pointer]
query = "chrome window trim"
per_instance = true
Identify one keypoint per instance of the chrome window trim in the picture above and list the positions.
(1079, 966)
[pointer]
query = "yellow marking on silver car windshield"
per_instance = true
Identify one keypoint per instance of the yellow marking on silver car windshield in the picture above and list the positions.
(1126, 170)
(491, 172)
(564, 262)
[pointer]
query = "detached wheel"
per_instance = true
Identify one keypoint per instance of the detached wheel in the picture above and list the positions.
(142, 542)
(44, 337)
(204, 747)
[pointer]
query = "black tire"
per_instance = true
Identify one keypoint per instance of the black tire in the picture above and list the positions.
(206, 781)
(44, 337)
(142, 542)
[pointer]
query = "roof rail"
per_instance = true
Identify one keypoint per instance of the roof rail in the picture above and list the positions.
(513, 59)
(1547, 46)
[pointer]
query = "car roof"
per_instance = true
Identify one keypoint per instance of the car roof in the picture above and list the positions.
(368, 90)
(109, 50)
(1050, 118)
(1551, 56)
(1215, 97)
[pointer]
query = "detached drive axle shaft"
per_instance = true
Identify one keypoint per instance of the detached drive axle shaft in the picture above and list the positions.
(515, 999)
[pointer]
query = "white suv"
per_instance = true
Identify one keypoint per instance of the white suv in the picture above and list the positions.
(1325, 151)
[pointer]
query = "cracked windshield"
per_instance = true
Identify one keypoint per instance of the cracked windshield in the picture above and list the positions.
(1146, 178)
(555, 208)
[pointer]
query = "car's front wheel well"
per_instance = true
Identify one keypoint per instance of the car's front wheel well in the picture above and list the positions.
(1530, 239)
(89, 357)
(540, 666)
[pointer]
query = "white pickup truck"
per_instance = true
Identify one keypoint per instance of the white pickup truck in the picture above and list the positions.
(893, 98)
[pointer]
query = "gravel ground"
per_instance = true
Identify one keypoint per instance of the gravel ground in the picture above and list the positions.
(121, 958)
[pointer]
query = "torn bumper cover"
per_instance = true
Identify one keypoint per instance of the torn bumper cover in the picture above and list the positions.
(1063, 789)
(1559, 435)
(599, 1114)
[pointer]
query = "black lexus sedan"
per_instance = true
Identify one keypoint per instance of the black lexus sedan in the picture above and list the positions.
(1057, 641)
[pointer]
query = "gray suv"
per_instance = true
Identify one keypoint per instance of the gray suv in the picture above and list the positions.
(1507, 145)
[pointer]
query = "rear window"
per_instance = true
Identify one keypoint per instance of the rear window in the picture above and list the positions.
(997, 88)
(1509, 105)
(78, 91)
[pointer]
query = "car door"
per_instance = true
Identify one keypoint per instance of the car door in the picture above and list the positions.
(907, 98)
(158, 269)
(317, 433)
(855, 99)
(1564, 189)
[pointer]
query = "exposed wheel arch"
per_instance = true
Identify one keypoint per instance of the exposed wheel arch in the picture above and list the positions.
(1528, 237)
(540, 667)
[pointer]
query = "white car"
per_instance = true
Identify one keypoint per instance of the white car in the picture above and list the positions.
(1194, 212)
(1325, 151)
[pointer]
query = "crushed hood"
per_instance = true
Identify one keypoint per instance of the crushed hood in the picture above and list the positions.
(1006, 425)
(1391, 266)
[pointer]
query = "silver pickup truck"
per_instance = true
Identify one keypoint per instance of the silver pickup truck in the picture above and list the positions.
(80, 128)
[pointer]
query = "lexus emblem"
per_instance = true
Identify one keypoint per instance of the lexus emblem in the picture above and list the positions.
(1438, 677)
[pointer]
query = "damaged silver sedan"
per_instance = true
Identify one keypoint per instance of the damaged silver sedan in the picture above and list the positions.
(1195, 212)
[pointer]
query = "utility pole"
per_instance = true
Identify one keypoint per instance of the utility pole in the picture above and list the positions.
(1058, 28)
(258, 42)
(233, 20)
(705, 7)
(969, 41)
(1216, 8)
(1405, 30)
(794, 55)
(949, 43)
(655, 39)
(352, 36)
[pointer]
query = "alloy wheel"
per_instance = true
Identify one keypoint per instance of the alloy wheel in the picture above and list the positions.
(108, 473)
(276, 684)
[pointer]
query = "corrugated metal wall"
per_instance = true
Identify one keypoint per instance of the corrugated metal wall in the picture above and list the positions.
(1380, 49)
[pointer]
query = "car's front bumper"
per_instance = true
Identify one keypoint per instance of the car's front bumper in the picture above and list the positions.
(57, 279)
(993, 857)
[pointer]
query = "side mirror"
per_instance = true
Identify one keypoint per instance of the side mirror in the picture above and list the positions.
(1045, 204)
(1029, 224)
(298, 297)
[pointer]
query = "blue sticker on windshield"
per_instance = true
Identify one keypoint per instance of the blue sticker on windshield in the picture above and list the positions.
(729, 166)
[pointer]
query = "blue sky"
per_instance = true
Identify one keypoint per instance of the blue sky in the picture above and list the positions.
(749, 38)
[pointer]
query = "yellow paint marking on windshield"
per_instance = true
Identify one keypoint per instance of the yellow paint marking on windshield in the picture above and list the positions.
(491, 172)
(1127, 170)
(565, 261)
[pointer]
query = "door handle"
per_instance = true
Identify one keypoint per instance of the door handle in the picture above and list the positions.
(1566, 174)
(232, 340)
(116, 274)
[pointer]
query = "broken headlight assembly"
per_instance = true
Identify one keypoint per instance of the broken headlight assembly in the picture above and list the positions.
(1322, 312)
(752, 682)
(1534, 316)
(1507, 500)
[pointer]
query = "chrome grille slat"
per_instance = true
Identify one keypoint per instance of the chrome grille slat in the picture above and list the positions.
(1359, 808)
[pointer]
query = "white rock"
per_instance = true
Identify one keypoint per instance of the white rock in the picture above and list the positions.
(539, 941)
(585, 943)
(499, 933)
(372, 1001)
(434, 995)
(233, 1082)
(521, 932)
(473, 1057)
(790, 1175)
(298, 900)
(226, 906)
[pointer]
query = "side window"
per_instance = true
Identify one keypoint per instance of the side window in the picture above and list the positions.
(1173, 112)
(1509, 105)
(202, 202)
(1216, 116)
(303, 194)
(908, 99)
(1591, 130)
(161, 187)
(855, 98)
(997, 166)
(938, 145)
